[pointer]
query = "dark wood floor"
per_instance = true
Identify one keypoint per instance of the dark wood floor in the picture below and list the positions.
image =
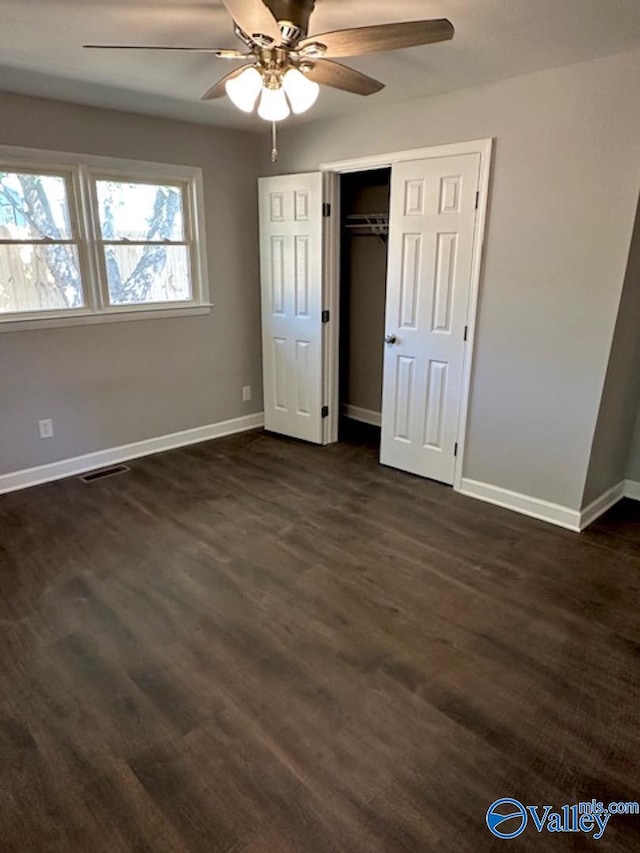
(261, 646)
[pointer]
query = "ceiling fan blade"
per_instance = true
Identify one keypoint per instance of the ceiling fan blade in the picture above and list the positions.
(254, 18)
(220, 52)
(340, 77)
(219, 91)
(361, 40)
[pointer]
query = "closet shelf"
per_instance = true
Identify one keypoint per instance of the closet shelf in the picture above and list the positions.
(376, 224)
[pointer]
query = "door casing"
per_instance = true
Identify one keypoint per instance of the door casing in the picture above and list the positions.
(331, 242)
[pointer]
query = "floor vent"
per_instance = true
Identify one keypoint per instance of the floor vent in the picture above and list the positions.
(105, 472)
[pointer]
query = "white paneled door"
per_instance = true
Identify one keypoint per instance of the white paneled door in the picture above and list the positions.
(291, 277)
(431, 240)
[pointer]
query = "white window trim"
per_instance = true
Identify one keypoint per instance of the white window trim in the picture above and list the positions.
(83, 169)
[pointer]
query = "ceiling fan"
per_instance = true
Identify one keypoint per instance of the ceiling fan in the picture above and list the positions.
(285, 66)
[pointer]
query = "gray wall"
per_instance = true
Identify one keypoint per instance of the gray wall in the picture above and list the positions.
(565, 187)
(618, 409)
(107, 385)
(364, 279)
(633, 465)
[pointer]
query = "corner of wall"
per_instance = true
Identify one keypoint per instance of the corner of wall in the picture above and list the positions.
(613, 434)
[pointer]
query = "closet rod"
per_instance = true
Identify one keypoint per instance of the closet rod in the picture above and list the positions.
(368, 224)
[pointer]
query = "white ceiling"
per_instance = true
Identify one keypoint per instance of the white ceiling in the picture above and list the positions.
(41, 49)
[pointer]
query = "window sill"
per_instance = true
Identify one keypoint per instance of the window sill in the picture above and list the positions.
(17, 324)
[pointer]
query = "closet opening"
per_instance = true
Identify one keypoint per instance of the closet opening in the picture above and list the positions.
(364, 206)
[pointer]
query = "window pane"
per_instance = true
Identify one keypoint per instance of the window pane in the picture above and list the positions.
(138, 275)
(130, 211)
(39, 278)
(33, 207)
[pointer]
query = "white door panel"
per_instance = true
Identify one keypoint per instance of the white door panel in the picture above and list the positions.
(291, 276)
(432, 225)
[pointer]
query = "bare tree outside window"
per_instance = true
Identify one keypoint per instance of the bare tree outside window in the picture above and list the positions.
(147, 258)
(77, 241)
(146, 254)
(39, 265)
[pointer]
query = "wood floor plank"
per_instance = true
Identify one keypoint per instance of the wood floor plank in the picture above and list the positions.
(255, 645)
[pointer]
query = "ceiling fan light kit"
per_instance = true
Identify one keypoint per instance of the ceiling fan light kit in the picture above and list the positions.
(287, 67)
(243, 91)
(279, 92)
(302, 92)
(273, 105)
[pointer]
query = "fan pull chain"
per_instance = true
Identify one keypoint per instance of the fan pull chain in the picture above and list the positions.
(274, 142)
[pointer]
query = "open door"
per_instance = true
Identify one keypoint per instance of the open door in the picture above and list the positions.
(291, 270)
(431, 243)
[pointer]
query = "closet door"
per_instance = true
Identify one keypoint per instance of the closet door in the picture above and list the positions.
(432, 225)
(291, 254)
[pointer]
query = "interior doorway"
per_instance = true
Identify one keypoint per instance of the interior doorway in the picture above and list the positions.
(364, 206)
(438, 209)
(437, 214)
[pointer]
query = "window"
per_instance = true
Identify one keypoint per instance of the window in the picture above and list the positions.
(98, 240)
(39, 256)
(144, 249)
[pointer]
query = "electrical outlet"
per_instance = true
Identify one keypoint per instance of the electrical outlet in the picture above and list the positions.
(246, 393)
(46, 428)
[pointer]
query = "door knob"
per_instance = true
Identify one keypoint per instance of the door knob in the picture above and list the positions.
(390, 339)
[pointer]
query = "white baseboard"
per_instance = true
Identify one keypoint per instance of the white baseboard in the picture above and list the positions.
(561, 516)
(115, 455)
(365, 416)
(632, 490)
(590, 513)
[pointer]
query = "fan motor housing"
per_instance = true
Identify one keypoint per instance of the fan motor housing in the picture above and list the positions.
(296, 12)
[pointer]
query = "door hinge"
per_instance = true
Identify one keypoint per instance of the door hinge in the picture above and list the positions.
(325, 411)
(455, 449)
(326, 209)
(466, 332)
(326, 316)
(478, 199)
